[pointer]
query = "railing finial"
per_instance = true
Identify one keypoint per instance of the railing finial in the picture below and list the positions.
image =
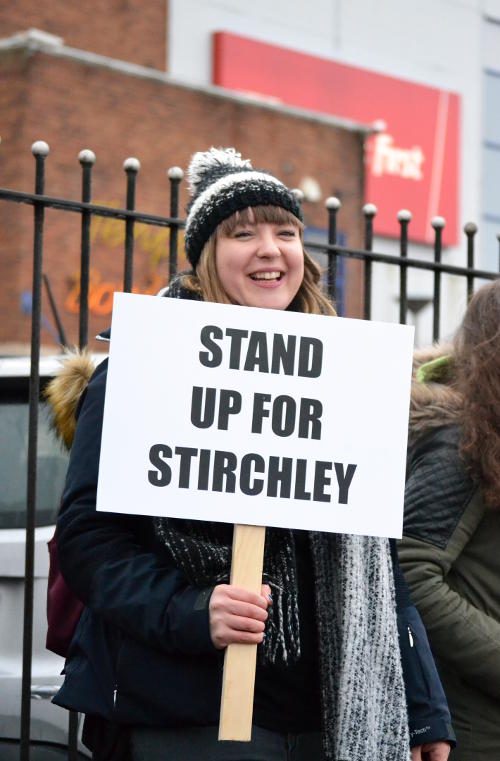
(86, 156)
(175, 173)
(404, 215)
(370, 210)
(470, 228)
(332, 202)
(40, 148)
(438, 223)
(131, 164)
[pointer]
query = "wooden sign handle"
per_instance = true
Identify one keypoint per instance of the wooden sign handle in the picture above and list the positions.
(238, 679)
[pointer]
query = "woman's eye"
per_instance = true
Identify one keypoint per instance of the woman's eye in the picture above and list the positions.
(289, 233)
(242, 234)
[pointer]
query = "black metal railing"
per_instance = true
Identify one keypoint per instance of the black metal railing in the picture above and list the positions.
(130, 216)
(368, 256)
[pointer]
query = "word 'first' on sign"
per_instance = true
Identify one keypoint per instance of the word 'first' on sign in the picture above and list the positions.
(252, 474)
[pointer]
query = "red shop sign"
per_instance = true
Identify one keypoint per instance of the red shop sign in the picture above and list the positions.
(412, 164)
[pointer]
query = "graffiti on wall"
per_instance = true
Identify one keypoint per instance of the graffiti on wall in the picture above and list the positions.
(106, 236)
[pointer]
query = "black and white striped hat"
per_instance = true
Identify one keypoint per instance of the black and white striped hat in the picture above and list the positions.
(221, 183)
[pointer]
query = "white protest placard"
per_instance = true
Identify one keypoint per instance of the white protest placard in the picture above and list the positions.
(255, 416)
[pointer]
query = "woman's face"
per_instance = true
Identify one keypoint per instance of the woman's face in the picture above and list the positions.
(261, 264)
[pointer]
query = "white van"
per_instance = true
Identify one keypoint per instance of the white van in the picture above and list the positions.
(49, 723)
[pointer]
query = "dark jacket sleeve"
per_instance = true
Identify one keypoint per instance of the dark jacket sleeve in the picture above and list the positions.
(107, 559)
(428, 714)
(443, 509)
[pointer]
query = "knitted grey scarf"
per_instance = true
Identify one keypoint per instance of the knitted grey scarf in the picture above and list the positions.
(362, 689)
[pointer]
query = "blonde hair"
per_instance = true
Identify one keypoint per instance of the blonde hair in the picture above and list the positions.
(206, 282)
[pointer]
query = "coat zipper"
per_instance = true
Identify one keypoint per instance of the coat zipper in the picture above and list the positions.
(410, 636)
(116, 662)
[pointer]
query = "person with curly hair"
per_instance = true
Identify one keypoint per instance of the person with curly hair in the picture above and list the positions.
(450, 551)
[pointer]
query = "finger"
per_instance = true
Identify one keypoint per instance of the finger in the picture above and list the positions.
(234, 637)
(223, 605)
(416, 753)
(239, 623)
(246, 610)
(244, 595)
(219, 626)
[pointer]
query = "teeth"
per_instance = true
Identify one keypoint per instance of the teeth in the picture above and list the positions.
(265, 275)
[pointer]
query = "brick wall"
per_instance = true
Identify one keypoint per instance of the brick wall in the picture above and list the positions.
(72, 106)
(131, 30)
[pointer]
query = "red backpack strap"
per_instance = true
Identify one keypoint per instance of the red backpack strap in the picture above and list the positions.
(63, 606)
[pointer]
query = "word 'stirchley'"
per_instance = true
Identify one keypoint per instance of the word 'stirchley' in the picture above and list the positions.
(219, 471)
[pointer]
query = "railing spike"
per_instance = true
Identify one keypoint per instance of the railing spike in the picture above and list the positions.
(404, 215)
(438, 223)
(175, 173)
(332, 202)
(86, 156)
(40, 148)
(131, 164)
(370, 210)
(470, 228)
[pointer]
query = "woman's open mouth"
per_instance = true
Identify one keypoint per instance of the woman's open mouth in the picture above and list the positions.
(267, 277)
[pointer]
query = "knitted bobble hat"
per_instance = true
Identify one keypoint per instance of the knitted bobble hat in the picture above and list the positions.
(222, 183)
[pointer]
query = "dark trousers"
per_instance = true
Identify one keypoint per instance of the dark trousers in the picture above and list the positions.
(201, 744)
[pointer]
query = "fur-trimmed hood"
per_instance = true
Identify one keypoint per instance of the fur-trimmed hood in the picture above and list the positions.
(64, 391)
(434, 400)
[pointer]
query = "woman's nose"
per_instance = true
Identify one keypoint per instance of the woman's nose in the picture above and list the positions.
(268, 245)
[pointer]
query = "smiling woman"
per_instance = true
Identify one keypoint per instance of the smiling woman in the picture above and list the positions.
(336, 674)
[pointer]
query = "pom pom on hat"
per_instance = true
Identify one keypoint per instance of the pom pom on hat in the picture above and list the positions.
(203, 163)
(222, 183)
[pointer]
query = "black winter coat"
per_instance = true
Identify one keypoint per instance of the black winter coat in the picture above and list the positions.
(142, 653)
